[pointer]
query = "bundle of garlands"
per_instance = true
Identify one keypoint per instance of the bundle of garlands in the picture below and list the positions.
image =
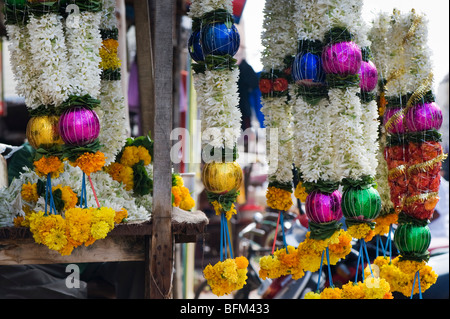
(56, 61)
(413, 152)
(212, 45)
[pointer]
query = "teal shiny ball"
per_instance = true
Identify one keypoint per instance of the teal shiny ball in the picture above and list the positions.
(412, 239)
(361, 204)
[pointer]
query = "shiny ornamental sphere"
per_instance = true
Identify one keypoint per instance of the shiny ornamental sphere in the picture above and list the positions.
(221, 178)
(79, 126)
(219, 39)
(307, 69)
(361, 204)
(43, 132)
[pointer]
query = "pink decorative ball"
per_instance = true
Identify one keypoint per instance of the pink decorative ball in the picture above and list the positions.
(423, 117)
(323, 207)
(368, 76)
(343, 58)
(397, 126)
(79, 126)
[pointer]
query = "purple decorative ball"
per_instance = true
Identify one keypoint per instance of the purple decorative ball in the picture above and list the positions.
(343, 58)
(397, 126)
(368, 76)
(323, 207)
(79, 126)
(424, 117)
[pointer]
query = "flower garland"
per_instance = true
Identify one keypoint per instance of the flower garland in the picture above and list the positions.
(413, 152)
(213, 42)
(112, 110)
(181, 196)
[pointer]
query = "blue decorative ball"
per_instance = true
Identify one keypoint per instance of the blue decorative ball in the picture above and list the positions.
(194, 47)
(220, 39)
(307, 69)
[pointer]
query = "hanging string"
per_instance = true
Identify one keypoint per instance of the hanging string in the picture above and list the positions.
(368, 259)
(227, 234)
(282, 231)
(49, 196)
(93, 190)
(320, 270)
(416, 275)
(276, 232)
(329, 268)
(221, 237)
(357, 264)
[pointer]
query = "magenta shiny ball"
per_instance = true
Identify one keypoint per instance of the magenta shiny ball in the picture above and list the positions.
(343, 58)
(397, 126)
(423, 117)
(368, 76)
(79, 126)
(323, 207)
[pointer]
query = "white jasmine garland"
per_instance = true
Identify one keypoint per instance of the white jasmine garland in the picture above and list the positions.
(83, 45)
(380, 44)
(350, 159)
(49, 55)
(218, 98)
(22, 65)
(370, 124)
(111, 113)
(309, 19)
(108, 18)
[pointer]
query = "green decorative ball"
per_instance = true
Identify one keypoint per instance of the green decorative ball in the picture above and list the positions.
(361, 204)
(412, 239)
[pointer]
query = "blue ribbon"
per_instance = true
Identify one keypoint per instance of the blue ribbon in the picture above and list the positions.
(417, 274)
(282, 231)
(320, 271)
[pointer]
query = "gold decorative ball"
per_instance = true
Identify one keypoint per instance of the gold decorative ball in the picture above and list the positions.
(42, 131)
(221, 178)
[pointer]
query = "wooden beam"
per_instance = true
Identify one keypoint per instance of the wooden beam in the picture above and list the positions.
(161, 261)
(144, 56)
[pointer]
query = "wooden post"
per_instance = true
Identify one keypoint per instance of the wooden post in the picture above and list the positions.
(144, 53)
(161, 261)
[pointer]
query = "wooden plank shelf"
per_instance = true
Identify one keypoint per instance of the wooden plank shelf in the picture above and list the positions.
(126, 242)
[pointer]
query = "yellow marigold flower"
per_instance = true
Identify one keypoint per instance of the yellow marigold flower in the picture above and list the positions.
(122, 174)
(241, 262)
(187, 203)
(66, 250)
(278, 198)
(224, 277)
(352, 291)
(78, 221)
(49, 165)
(29, 192)
(360, 231)
(375, 288)
(100, 230)
(219, 210)
(300, 192)
(312, 295)
(133, 154)
(343, 247)
(113, 170)
(120, 216)
(382, 223)
(108, 53)
(331, 293)
(179, 180)
(56, 238)
(176, 192)
(90, 162)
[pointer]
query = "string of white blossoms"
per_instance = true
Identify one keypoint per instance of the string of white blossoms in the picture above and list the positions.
(351, 158)
(83, 42)
(111, 110)
(411, 57)
(380, 48)
(48, 53)
(279, 41)
(25, 73)
(312, 133)
(217, 92)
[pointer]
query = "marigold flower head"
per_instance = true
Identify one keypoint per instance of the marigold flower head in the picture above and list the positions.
(49, 165)
(225, 277)
(90, 162)
(360, 231)
(134, 154)
(300, 192)
(120, 215)
(108, 53)
(29, 192)
(278, 198)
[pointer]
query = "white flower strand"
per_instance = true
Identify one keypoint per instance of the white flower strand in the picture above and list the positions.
(217, 99)
(22, 65)
(83, 44)
(200, 7)
(111, 113)
(49, 55)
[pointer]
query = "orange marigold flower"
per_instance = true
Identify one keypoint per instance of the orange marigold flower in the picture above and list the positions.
(90, 162)
(49, 165)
